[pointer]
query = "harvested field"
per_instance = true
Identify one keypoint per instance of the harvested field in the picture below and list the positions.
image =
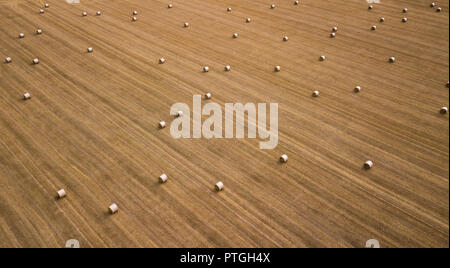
(91, 125)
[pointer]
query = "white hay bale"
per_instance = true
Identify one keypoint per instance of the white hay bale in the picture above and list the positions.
(277, 68)
(36, 61)
(162, 124)
(135, 12)
(219, 186)
(235, 35)
(404, 20)
(163, 178)
(248, 20)
(227, 68)
(382, 20)
(61, 194)
(229, 9)
(90, 49)
(21, 35)
(208, 96)
(370, 7)
(162, 61)
(186, 24)
(332, 35)
(357, 89)
(373, 28)
(322, 58)
(368, 164)
(392, 59)
(297, 3)
(41, 11)
(316, 94)
(84, 13)
(284, 158)
(272, 6)
(170, 6)
(448, 84)
(433, 4)
(99, 13)
(372, 243)
(46, 5)
(444, 110)
(206, 69)
(8, 60)
(27, 96)
(439, 9)
(134, 19)
(285, 38)
(38, 31)
(334, 29)
(405, 10)
(113, 209)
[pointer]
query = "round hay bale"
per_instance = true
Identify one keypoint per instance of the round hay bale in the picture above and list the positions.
(113, 209)
(163, 178)
(219, 186)
(368, 164)
(61, 194)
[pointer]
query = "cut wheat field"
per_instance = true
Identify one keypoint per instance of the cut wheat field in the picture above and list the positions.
(91, 125)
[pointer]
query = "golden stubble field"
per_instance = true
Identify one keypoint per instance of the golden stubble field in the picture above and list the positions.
(91, 126)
